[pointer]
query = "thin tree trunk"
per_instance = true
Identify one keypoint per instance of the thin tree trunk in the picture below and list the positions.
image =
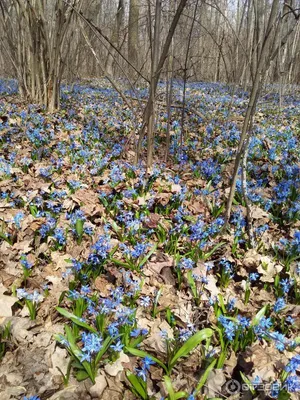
(102, 67)
(115, 37)
(154, 61)
(170, 81)
(155, 80)
(185, 76)
(133, 32)
(259, 78)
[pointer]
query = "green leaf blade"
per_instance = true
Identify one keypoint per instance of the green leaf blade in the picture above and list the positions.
(143, 354)
(191, 344)
(75, 319)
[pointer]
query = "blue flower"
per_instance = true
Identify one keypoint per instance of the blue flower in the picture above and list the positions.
(281, 342)
(113, 329)
(25, 263)
(286, 284)
(229, 326)
(265, 323)
(294, 364)
(116, 175)
(279, 304)
(135, 333)
(210, 169)
(261, 229)
(295, 243)
(59, 236)
(77, 214)
(290, 319)
(22, 294)
(139, 250)
(275, 389)
(147, 362)
(214, 227)
(63, 340)
(142, 373)
(243, 322)
(227, 267)
(47, 227)
(185, 334)
(31, 398)
(34, 297)
(102, 246)
(253, 276)
(292, 384)
(186, 264)
(92, 344)
(145, 301)
(117, 347)
(18, 218)
(74, 184)
(85, 289)
(231, 304)
(76, 265)
(212, 300)
(256, 381)
(197, 230)
(46, 172)
(88, 230)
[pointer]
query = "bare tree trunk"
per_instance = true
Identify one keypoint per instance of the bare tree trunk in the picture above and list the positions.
(259, 78)
(37, 57)
(245, 191)
(133, 32)
(115, 39)
(170, 81)
(102, 67)
(267, 49)
(185, 73)
(155, 79)
(155, 55)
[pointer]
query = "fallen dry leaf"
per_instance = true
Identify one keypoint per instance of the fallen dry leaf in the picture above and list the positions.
(268, 268)
(6, 303)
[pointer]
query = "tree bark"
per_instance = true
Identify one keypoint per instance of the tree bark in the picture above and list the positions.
(36, 47)
(260, 72)
(133, 32)
(155, 78)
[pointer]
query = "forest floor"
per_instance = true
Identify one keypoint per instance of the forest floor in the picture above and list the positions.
(115, 284)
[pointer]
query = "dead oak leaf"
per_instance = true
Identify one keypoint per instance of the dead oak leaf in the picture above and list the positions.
(155, 267)
(155, 339)
(6, 303)
(263, 360)
(103, 286)
(61, 261)
(258, 213)
(152, 220)
(197, 207)
(175, 188)
(252, 259)
(163, 198)
(268, 268)
(211, 286)
(24, 246)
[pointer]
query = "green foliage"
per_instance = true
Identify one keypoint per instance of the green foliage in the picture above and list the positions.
(184, 350)
(4, 338)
